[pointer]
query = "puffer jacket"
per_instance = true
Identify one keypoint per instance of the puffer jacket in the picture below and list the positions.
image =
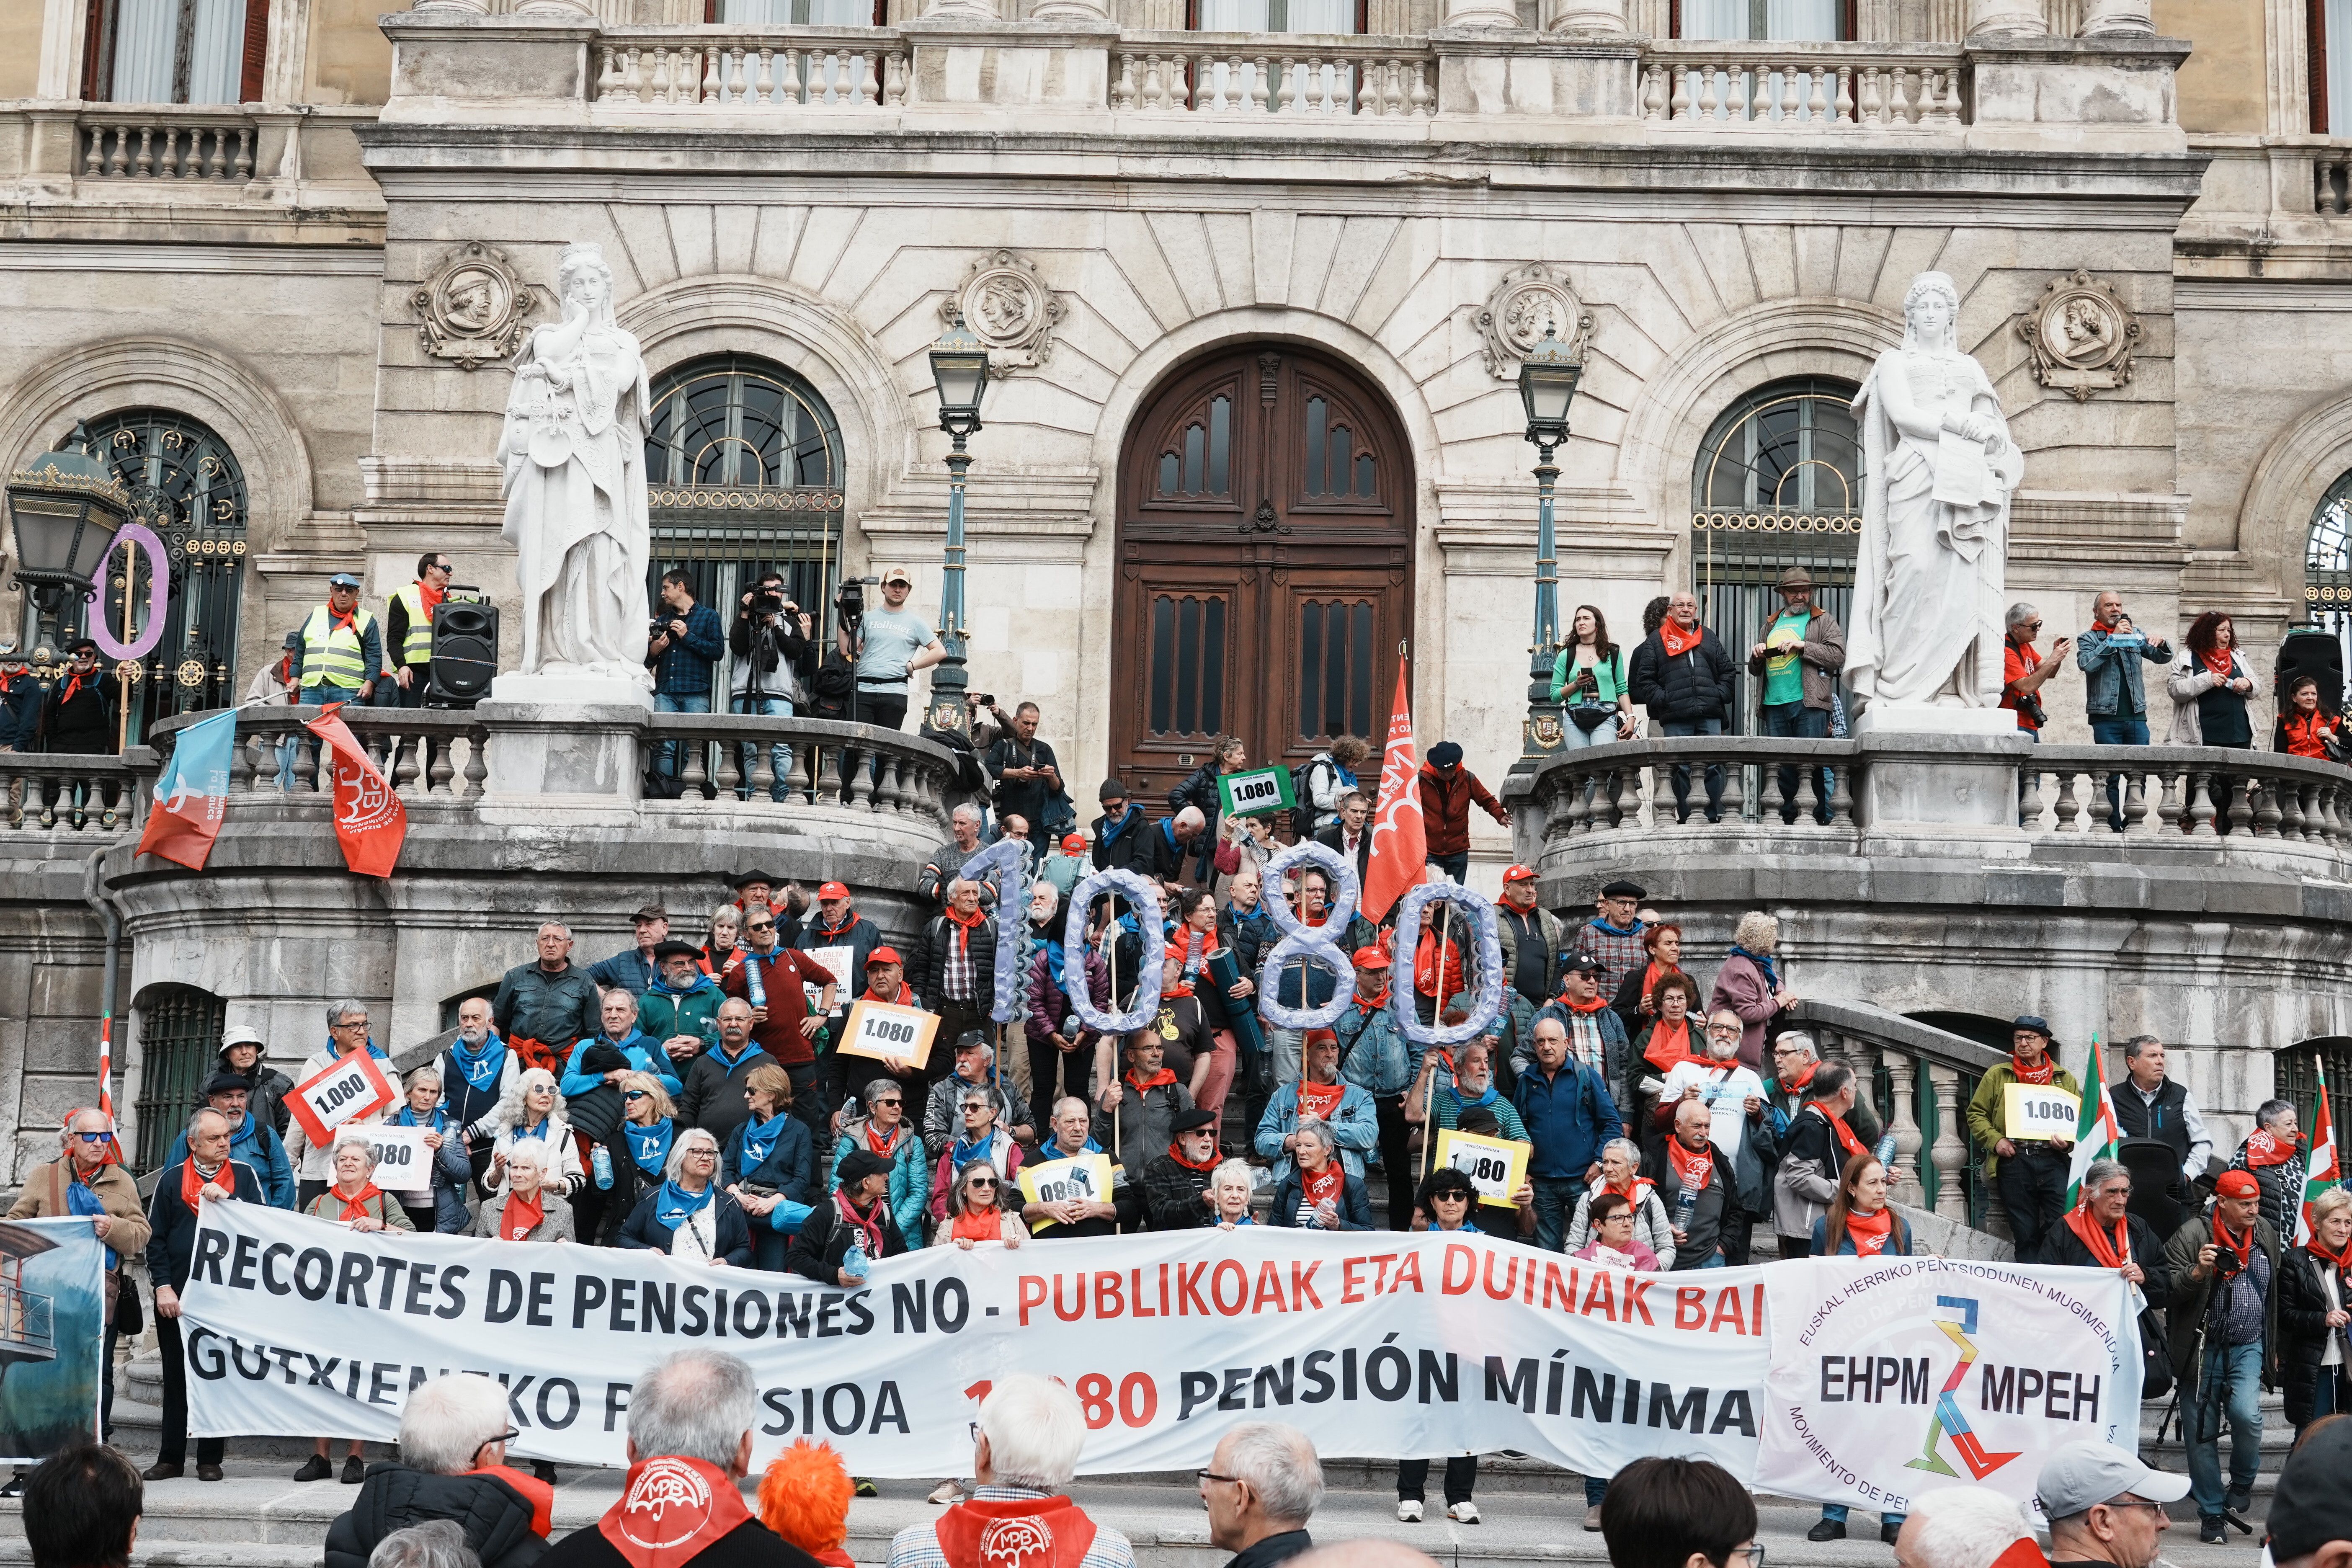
(1692, 686)
(926, 969)
(493, 1509)
(2302, 1330)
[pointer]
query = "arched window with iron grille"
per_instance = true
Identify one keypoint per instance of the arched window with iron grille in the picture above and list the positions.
(2327, 568)
(1776, 484)
(180, 1030)
(744, 464)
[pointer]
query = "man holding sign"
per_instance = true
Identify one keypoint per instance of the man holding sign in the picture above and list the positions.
(2024, 1137)
(343, 1085)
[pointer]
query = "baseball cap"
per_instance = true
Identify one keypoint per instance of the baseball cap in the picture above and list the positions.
(342, 580)
(649, 914)
(1519, 874)
(883, 956)
(2083, 1474)
(970, 1040)
(1371, 958)
(833, 890)
(898, 574)
(2307, 1509)
(1072, 843)
(2237, 1184)
(1580, 964)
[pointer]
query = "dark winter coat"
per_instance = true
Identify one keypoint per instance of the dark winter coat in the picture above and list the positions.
(2303, 1330)
(494, 1517)
(1692, 686)
(927, 968)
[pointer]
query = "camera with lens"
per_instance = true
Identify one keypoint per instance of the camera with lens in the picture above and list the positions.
(768, 601)
(2031, 706)
(850, 600)
(2227, 1263)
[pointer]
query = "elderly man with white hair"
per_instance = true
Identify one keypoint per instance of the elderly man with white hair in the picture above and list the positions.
(936, 879)
(1026, 1450)
(172, 1214)
(1262, 1485)
(452, 1467)
(1966, 1527)
(953, 965)
(690, 1433)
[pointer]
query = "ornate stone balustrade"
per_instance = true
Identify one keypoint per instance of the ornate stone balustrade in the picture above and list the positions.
(51, 797)
(733, 69)
(167, 142)
(1804, 87)
(1284, 74)
(724, 760)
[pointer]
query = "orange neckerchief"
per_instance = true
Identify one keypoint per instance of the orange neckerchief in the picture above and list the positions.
(1316, 1101)
(1871, 1232)
(965, 925)
(1678, 640)
(1674, 1045)
(521, 1217)
(1144, 1085)
(192, 1185)
(1592, 1007)
(1650, 978)
(1368, 1007)
(534, 1491)
(431, 595)
(2219, 661)
(1692, 1170)
(2113, 1252)
(1846, 1140)
(1176, 1153)
(979, 1224)
(356, 1205)
(887, 1146)
(906, 997)
(349, 620)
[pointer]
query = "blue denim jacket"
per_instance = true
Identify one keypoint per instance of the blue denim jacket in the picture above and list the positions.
(2114, 689)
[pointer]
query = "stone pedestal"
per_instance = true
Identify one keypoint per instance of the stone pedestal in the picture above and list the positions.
(574, 742)
(1938, 767)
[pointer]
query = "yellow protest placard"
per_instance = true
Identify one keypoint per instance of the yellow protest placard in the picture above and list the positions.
(883, 1029)
(1084, 1176)
(1496, 1167)
(2037, 1112)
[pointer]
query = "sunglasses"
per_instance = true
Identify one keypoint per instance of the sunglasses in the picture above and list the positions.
(981, 1182)
(881, 1102)
(762, 925)
(96, 1137)
(633, 1094)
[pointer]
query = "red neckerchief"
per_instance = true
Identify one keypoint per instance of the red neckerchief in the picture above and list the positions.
(1326, 1184)
(1181, 988)
(1145, 1085)
(1846, 1140)
(670, 1510)
(869, 1227)
(2219, 661)
(1678, 641)
(1316, 1101)
(888, 1145)
(1176, 1153)
(1367, 1006)
(192, 1185)
(2022, 1554)
(511, 1224)
(2221, 1237)
(2113, 1252)
(906, 997)
(2045, 1073)
(1871, 1232)
(1592, 1007)
(431, 597)
(1424, 965)
(286, 670)
(73, 684)
(2337, 1258)
(1692, 1170)
(1650, 978)
(1676, 1044)
(534, 1491)
(2264, 1148)
(1018, 1533)
(965, 925)
(356, 1206)
(113, 1145)
(1803, 1078)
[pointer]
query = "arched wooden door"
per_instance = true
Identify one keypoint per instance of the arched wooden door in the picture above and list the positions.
(1266, 518)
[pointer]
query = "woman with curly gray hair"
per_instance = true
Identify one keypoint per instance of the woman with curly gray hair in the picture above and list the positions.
(1749, 982)
(533, 1110)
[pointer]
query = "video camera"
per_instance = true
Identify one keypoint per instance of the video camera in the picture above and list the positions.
(849, 600)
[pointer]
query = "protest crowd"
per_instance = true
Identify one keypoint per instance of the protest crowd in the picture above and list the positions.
(708, 1092)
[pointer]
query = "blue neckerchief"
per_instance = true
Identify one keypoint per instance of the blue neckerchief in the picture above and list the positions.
(539, 1132)
(675, 1206)
(81, 1200)
(701, 981)
(1044, 937)
(719, 1052)
(1168, 830)
(408, 1119)
(649, 1145)
(481, 1071)
(373, 1049)
(1762, 962)
(1052, 1149)
(1111, 830)
(1484, 1099)
(963, 1153)
(1633, 930)
(760, 1139)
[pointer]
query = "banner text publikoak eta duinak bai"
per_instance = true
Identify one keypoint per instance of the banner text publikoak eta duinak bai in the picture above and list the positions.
(1376, 1344)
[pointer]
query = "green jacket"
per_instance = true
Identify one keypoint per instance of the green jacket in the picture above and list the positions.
(662, 1014)
(1987, 1110)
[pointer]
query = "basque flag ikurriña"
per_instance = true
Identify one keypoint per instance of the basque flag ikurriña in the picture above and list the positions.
(192, 794)
(370, 822)
(2327, 1167)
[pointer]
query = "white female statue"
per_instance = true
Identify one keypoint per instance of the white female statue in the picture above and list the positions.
(573, 447)
(1939, 469)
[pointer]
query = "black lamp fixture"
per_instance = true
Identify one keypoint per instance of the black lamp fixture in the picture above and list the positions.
(959, 372)
(66, 507)
(1547, 379)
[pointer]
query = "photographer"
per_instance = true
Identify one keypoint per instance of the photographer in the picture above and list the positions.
(774, 657)
(2115, 696)
(1023, 767)
(682, 643)
(2025, 671)
(2224, 1324)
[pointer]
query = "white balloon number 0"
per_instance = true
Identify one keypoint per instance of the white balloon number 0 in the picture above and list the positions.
(1137, 890)
(1008, 857)
(1315, 944)
(1483, 937)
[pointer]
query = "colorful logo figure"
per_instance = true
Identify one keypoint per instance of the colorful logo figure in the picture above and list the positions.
(1948, 1419)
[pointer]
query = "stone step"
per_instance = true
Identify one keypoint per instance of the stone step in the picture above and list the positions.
(252, 1519)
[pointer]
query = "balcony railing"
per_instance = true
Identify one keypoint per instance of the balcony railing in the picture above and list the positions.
(167, 142)
(1804, 86)
(52, 794)
(736, 70)
(1296, 74)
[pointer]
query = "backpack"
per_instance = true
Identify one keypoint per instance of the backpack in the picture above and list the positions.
(831, 686)
(1302, 779)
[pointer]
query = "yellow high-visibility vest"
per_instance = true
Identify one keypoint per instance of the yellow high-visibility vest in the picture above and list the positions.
(417, 643)
(332, 652)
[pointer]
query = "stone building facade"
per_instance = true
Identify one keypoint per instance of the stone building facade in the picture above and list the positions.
(1257, 300)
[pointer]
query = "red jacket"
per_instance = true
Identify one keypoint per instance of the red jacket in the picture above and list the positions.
(1446, 809)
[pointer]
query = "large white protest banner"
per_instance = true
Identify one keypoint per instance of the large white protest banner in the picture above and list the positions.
(1376, 1344)
(1891, 1377)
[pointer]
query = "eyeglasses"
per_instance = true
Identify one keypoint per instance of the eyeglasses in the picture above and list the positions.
(2128, 1500)
(1727, 1029)
(350, 1024)
(756, 928)
(509, 1436)
(702, 1153)
(1754, 1553)
(1213, 1475)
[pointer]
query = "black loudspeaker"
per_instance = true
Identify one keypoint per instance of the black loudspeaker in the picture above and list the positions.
(465, 653)
(2313, 651)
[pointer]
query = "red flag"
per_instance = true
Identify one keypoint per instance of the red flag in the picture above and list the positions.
(1400, 855)
(370, 822)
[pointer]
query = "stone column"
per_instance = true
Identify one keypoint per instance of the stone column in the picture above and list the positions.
(2107, 18)
(1481, 13)
(2006, 19)
(1900, 1071)
(1069, 11)
(1950, 1152)
(1599, 17)
(961, 10)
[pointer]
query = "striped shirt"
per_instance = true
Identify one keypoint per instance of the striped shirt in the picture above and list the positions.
(917, 1545)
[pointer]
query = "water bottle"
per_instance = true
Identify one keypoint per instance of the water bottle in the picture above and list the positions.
(600, 1160)
(1883, 1151)
(1685, 1205)
(853, 1262)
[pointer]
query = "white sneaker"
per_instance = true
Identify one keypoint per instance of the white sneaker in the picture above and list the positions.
(1409, 1511)
(1463, 1513)
(947, 1492)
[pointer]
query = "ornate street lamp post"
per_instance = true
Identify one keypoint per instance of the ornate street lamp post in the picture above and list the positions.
(960, 370)
(65, 506)
(1548, 378)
